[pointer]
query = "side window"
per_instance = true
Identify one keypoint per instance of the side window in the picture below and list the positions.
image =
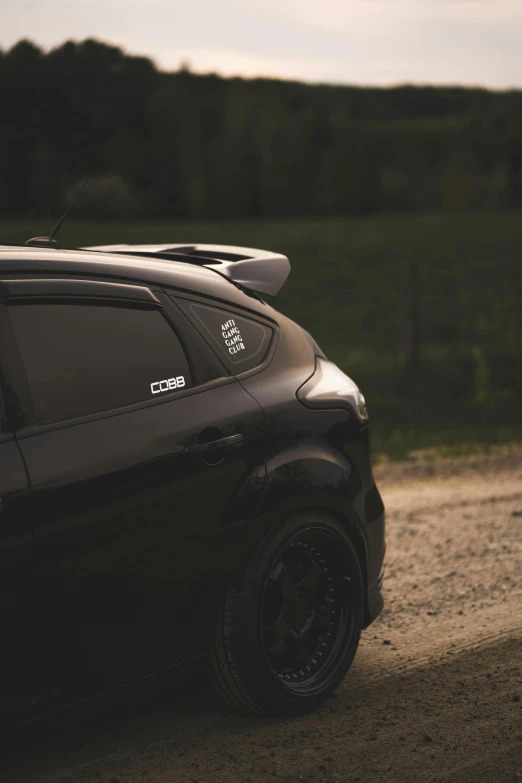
(87, 358)
(241, 342)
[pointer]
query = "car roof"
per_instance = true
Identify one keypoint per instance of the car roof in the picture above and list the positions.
(170, 273)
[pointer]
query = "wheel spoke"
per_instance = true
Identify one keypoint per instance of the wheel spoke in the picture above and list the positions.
(274, 636)
(321, 616)
(301, 648)
(311, 578)
(281, 576)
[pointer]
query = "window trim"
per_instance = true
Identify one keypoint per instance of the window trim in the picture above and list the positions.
(36, 429)
(219, 304)
(17, 394)
(36, 288)
(74, 291)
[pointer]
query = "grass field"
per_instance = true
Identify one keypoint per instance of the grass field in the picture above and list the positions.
(346, 288)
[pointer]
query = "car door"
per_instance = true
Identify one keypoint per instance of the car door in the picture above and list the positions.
(146, 462)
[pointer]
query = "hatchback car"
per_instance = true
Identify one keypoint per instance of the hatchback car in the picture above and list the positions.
(183, 473)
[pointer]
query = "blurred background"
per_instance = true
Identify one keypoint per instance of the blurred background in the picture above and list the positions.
(378, 144)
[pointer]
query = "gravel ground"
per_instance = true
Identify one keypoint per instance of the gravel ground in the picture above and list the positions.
(434, 694)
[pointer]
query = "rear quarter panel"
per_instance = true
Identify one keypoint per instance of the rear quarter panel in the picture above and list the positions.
(316, 459)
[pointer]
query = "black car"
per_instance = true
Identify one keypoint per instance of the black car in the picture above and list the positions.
(182, 473)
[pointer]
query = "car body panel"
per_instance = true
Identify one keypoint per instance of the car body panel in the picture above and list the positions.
(128, 537)
(316, 459)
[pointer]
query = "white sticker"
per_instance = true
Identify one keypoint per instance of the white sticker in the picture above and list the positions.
(167, 385)
(232, 337)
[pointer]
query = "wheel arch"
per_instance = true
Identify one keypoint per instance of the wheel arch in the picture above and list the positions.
(326, 483)
(269, 520)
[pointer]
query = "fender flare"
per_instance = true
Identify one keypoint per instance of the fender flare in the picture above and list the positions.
(280, 500)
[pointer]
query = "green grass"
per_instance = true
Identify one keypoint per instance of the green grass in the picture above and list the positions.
(345, 288)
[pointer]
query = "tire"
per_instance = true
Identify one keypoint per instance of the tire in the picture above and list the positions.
(290, 626)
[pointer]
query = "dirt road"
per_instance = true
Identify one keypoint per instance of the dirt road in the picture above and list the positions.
(435, 693)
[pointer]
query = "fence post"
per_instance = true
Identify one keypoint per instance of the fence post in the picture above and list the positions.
(410, 326)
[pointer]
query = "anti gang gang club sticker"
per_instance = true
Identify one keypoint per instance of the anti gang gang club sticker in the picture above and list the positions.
(232, 337)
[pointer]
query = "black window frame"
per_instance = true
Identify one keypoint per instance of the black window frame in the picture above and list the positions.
(20, 408)
(17, 396)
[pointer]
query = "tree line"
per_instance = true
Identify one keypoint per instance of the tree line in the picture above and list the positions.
(183, 145)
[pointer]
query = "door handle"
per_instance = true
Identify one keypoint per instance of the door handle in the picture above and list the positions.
(232, 441)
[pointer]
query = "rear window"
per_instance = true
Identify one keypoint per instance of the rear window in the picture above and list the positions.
(241, 342)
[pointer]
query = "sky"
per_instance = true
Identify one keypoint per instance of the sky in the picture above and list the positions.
(371, 42)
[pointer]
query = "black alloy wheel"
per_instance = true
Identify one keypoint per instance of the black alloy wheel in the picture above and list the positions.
(306, 609)
(291, 625)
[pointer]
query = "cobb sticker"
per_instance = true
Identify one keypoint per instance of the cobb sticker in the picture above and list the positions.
(169, 384)
(232, 337)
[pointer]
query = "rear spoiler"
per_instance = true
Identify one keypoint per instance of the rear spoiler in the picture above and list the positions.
(256, 270)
